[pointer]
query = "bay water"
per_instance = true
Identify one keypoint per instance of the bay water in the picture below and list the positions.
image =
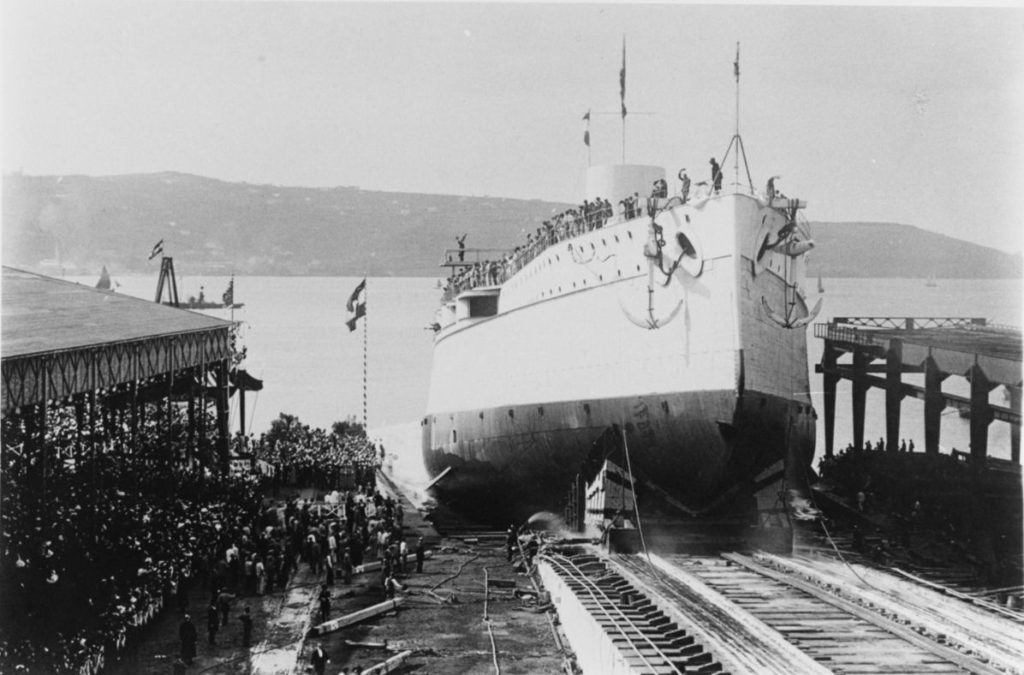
(312, 366)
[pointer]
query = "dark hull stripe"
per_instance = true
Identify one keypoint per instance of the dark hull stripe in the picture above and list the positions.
(511, 462)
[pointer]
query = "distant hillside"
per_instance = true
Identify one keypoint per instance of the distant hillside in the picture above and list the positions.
(890, 250)
(80, 223)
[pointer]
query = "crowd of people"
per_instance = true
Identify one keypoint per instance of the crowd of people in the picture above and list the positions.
(588, 216)
(93, 546)
(99, 533)
(944, 497)
(304, 455)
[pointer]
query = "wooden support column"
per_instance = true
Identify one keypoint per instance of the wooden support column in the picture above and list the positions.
(829, 381)
(1015, 400)
(168, 453)
(135, 415)
(79, 404)
(933, 405)
(893, 394)
(40, 435)
(241, 408)
(92, 424)
(860, 387)
(981, 412)
(223, 432)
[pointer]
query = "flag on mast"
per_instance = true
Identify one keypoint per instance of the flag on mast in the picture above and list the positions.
(586, 132)
(356, 307)
(622, 78)
(736, 63)
(157, 249)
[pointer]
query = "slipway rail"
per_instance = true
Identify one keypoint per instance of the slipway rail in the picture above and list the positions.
(767, 614)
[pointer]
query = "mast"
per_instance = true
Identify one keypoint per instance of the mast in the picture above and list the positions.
(737, 140)
(736, 72)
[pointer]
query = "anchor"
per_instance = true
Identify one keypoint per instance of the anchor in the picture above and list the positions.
(651, 322)
(788, 321)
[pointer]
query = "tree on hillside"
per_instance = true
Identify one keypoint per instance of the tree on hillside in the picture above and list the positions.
(350, 426)
(285, 427)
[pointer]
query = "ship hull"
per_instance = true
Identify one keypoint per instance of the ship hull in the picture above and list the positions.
(696, 445)
(687, 368)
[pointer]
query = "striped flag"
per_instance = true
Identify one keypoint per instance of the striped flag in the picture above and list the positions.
(157, 250)
(359, 313)
(356, 307)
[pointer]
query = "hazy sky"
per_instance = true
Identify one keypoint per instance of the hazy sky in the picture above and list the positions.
(910, 115)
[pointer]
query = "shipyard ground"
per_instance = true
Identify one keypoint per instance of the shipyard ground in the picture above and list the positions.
(441, 620)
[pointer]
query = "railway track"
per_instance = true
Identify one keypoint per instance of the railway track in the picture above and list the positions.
(766, 614)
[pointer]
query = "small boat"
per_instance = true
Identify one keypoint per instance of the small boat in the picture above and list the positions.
(167, 278)
(228, 300)
(104, 283)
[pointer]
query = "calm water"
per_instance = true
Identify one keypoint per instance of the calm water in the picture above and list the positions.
(312, 366)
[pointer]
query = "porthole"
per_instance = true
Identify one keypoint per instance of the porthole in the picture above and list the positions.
(592, 247)
(616, 239)
(600, 277)
(637, 268)
(629, 233)
(604, 243)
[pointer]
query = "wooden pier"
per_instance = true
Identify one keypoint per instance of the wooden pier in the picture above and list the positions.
(987, 356)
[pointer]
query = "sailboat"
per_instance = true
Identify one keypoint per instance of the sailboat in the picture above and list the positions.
(104, 283)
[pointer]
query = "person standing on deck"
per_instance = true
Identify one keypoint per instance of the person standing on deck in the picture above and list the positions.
(462, 246)
(684, 191)
(716, 175)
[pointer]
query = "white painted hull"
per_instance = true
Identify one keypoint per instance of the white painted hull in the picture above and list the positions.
(714, 394)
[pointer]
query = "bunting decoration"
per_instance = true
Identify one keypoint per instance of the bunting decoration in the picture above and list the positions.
(157, 249)
(356, 307)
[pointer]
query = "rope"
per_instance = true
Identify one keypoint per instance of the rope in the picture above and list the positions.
(636, 507)
(457, 573)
